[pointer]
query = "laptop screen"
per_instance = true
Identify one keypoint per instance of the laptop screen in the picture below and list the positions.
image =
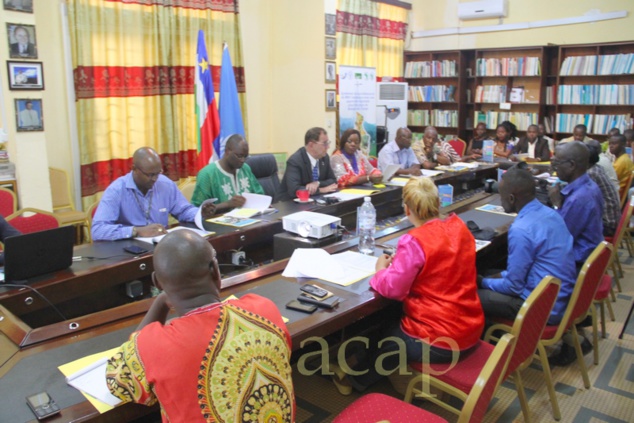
(38, 253)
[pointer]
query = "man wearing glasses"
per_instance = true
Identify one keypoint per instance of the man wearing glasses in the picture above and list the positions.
(309, 167)
(139, 203)
(226, 179)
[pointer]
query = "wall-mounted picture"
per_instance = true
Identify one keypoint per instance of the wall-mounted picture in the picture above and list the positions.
(19, 5)
(331, 100)
(331, 48)
(25, 75)
(331, 24)
(22, 43)
(28, 114)
(331, 74)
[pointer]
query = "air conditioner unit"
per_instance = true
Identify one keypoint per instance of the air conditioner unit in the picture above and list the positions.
(483, 9)
(391, 106)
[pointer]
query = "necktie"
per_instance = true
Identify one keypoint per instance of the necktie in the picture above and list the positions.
(316, 172)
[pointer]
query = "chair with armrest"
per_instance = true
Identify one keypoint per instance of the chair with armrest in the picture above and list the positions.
(63, 205)
(579, 304)
(264, 168)
(38, 220)
(90, 214)
(8, 202)
(619, 236)
(187, 188)
(458, 145)
(372, 408)
(527, 328)
(626, 192)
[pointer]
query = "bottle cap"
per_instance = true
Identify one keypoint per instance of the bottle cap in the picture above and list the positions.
(366, 199)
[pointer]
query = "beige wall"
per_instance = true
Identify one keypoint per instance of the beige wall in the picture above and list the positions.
(430, 14)
(284, 59)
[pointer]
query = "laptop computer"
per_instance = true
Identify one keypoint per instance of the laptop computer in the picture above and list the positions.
(38, 253)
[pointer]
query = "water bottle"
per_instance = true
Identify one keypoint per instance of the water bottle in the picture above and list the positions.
(367, 222)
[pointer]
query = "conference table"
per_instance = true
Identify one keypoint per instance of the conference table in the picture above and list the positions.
(29, 357)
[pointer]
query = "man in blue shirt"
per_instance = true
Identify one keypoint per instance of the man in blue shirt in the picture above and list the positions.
(400, 152)
(139, 203)
(539, 245)
(580, 203)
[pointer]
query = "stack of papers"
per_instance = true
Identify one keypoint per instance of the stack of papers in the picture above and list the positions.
(255, 204)
(156, 239)
(342, 269)
(493, 208)
(351, 194)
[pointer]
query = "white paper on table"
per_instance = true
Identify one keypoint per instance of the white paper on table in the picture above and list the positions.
(544, 175)
(390, 170)
(256, 203)
(468, 165)
(431, 173)
(342, 269)
(92, 380)
(157, 239)
(479, 244)
(342, 196)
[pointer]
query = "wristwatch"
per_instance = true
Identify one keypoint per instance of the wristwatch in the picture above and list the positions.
(134, 232)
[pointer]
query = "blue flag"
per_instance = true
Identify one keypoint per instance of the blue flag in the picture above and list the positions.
(229, 106)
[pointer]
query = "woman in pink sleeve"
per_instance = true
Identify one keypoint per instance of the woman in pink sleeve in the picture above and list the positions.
(350, 165)
(433, 273)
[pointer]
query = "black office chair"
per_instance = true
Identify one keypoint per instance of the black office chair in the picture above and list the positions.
(264, 168)
(381, 138)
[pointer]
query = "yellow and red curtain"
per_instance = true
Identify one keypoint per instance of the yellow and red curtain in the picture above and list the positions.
(371, 34)
(133, 65)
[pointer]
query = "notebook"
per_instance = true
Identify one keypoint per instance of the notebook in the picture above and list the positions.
(38, 253)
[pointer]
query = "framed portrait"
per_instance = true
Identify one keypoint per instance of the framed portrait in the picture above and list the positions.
(25, 6)
(28, 114)
(331, 24)
(25, 75)
(22, 43)
(331, 74)
(331, 48)
(331, 100)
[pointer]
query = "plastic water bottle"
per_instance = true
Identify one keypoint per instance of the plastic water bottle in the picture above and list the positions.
(367, 222)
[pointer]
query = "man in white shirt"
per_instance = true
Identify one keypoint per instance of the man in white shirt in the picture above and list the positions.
(29, 118)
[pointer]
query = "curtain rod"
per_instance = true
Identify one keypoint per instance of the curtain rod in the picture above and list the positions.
(396, 3)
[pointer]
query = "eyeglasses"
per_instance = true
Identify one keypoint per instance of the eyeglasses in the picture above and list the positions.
(240, 156)
(151, 175)
(324, 143)
(555, 162)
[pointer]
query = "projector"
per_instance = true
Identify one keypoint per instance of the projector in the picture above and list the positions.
(310, 224)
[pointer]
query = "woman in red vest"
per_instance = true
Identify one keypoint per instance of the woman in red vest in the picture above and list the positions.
(434, 274)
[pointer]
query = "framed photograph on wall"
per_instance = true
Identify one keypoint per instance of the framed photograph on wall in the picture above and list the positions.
(28, 114)
(25, 75)
(25, 6)
(331, 24)
(331, 74)
(331, 48)
(331, 100)
(22, 42)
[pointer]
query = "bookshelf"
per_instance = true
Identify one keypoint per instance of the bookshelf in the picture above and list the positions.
(559, 86)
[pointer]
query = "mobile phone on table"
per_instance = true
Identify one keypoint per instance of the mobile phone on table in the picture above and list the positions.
(42, 405)
(314, 290)
(297, 306)
(133, 249)
(331, 302)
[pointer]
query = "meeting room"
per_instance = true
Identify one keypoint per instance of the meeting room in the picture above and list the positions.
(317, 210)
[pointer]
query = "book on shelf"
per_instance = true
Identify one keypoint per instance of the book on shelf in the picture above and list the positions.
(508, 66)
(429, 93)
(612, 94)
(490, 94)
(607, 64)
(493, 118)
(428, 69)
(596, 124)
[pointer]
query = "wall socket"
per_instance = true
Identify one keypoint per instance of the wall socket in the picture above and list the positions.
(238, 257)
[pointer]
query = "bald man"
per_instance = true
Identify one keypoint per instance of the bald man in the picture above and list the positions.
(228, 178)
(400, 152)
(138, 204)
(217, 361)
(580, 202)
(539, 244)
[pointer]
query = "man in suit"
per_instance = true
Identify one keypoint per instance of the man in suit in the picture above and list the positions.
(309, 167)
(23, 47)
(532, 144)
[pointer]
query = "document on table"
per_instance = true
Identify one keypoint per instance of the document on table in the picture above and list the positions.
(431, 173)
(88, 374)
(351, 194)
(256, 203)
(390, 171)
(157, 239)
(479, 244)
(342, 269)
(493, 208)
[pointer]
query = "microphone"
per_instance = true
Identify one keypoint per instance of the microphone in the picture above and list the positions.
(11, 285)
